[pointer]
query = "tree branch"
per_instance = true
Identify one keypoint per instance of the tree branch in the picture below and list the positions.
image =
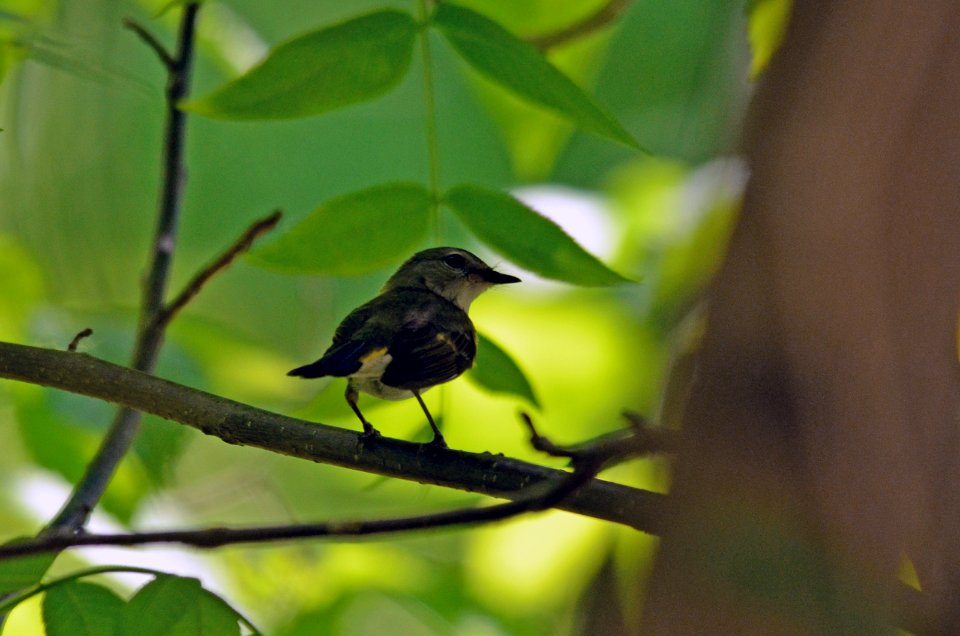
(601, 18)
(150, 40)
(241, 245)
(538, 497)
(640, 439)
(126, 423)
(242, 424)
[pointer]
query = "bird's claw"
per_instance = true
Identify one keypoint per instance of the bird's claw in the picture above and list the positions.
(368, 436)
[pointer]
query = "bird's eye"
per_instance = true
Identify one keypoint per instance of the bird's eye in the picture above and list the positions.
(456, 261)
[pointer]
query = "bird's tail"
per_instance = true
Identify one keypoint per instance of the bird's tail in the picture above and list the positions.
(313, 370)
(341, 360)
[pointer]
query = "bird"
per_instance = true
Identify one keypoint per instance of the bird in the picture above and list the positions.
(414, 335)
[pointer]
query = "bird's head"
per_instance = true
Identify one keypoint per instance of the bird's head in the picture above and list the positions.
(451, 272)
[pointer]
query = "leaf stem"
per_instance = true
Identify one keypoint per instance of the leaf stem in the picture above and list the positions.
(433, 150)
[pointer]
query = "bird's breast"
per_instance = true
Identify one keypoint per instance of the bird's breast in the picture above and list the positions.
(376, 388)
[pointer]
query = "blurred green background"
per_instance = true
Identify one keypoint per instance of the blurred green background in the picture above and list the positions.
(81, 112)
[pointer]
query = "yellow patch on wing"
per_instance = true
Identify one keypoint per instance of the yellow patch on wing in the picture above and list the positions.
(373, 355)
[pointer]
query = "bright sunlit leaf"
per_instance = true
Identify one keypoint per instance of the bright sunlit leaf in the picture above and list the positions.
(354, 234)
(535, 563)
(495, 370)
(520, 68)
(175, 606)
(908, 573)
(767, 24)
(527, 238)
(75, 608)
(320, 71)
(25, 618)
(21, 287)
(22, 572)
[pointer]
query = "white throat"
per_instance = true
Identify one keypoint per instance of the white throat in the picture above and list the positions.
(467, 294)
(463, 293)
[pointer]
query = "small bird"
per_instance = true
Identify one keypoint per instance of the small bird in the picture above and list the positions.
(416, 334)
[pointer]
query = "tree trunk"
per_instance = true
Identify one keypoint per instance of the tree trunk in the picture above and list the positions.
(824, 440)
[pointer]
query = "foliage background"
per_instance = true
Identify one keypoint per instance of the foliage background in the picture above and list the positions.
(80, 105)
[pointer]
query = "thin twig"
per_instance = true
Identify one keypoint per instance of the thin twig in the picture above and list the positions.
(86, 333)
(637, 441)
(171, 195)
(542, 498)
(600, 19)
(151, 40)
(126, 423)
(241, 245)
(635, 420)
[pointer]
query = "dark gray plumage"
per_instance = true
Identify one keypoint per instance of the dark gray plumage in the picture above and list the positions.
(414, 335)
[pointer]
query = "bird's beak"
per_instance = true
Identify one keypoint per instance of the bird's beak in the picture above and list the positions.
(496, 278)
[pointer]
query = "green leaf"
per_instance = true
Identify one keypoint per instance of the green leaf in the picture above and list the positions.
(520, 68)
(496, 371)
(353, 234)
(21, 287)
(526, 238)
(19, 573)
(767, 22)
(74, 608)
(175, 606)
(320, 71)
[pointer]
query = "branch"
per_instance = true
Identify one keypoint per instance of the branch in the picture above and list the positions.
(150, 40)
(600, 19)
(242, 424)
(126, 423)
(639, 440)
(534, 498)
(223, 261)
(86, 333)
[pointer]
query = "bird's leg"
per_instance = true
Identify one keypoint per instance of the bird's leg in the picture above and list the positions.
(437, 436)
(352, 395)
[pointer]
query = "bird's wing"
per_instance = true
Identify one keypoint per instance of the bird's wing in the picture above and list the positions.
(349, 351)
(424, 354)
(353, 323)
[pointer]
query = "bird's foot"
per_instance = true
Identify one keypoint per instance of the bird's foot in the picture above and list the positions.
(369, 435)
